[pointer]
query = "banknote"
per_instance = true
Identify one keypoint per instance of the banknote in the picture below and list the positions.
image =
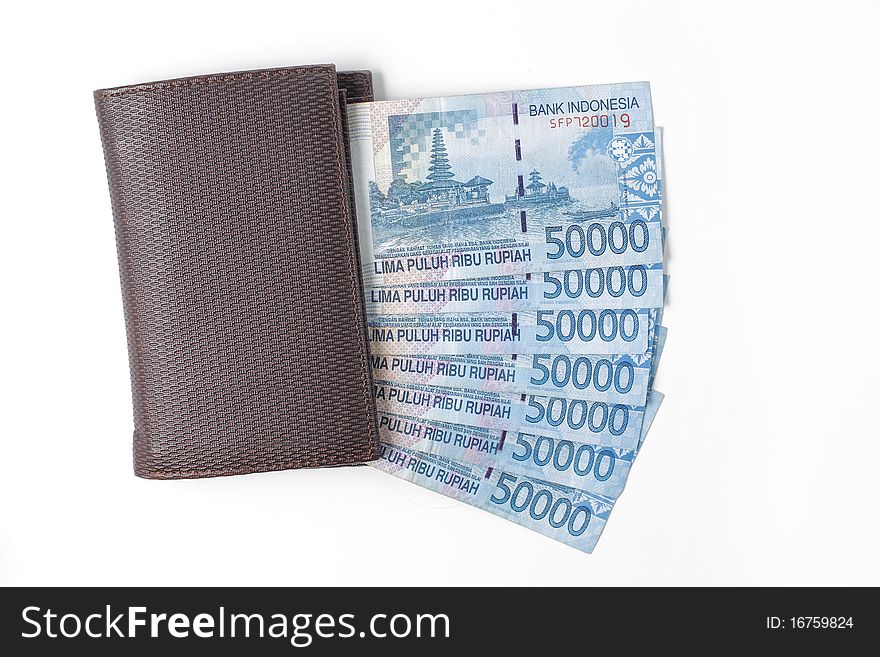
(596, 468)
(505, 183)
(635, 286)
(612, 425)
(584, 331)
(610, 378)
(571, 516)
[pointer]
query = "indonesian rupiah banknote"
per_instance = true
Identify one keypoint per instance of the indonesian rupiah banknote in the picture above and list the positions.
(635, 286)
(572, 516)
(506, 183)
(525, 223)
(610, 378)
(614, 425)
(542, 331)
(595, 468)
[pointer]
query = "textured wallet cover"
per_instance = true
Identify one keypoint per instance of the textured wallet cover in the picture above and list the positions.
(238, 260)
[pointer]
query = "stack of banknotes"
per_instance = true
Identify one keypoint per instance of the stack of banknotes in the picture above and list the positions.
(512, 254)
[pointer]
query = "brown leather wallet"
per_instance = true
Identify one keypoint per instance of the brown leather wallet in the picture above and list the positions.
(238, 259)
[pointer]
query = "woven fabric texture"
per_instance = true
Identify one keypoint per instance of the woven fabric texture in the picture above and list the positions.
(357, 85)
(237, 256)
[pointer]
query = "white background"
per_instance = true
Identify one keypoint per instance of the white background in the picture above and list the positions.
(762, 466)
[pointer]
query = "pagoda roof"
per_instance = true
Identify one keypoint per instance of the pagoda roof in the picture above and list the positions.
(440, 184)
(477, 180)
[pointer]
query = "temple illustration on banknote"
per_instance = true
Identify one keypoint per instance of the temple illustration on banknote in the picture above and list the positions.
(442, 198)
(538, 193)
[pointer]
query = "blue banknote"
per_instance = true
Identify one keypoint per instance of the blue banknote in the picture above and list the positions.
(611, 378)
(635, 286)
(580, 420)
(585, 331)
(572, 516)
(505, 183)
(595, 468)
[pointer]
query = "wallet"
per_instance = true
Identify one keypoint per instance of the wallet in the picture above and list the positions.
(238, 257)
